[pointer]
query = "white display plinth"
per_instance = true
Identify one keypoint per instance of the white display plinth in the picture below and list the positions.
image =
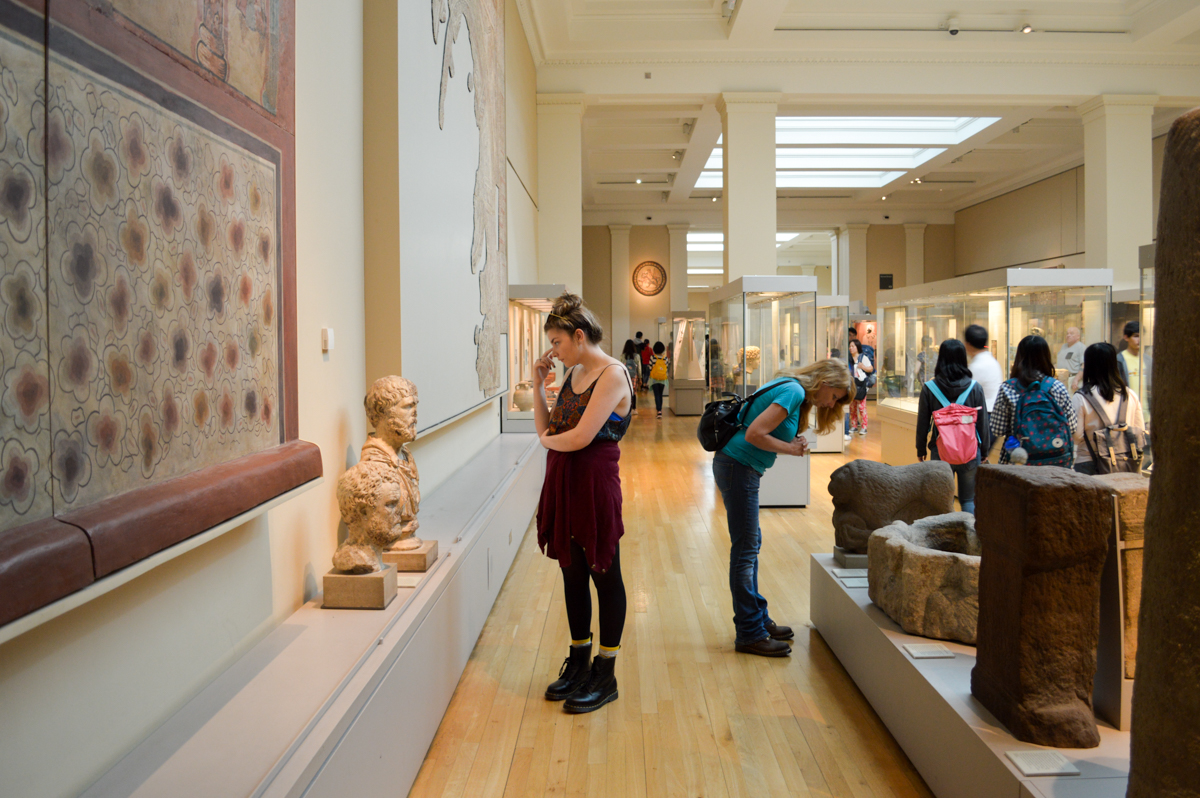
(786, 484)
(898, 434)
(958, 747)
(834, 441)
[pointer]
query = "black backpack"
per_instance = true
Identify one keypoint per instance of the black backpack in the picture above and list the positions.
(722, 419)
(1115, 448)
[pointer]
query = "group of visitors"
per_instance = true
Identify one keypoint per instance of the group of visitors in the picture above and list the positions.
(647, 367)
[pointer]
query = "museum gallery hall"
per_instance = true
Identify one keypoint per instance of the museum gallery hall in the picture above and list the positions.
(599, 397)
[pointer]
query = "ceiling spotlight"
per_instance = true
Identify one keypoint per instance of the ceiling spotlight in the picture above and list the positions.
(952, 26)
(638, 181)
(884, 196)
(677, 155)
(1026, 28)
(714, 199)
(727, 8)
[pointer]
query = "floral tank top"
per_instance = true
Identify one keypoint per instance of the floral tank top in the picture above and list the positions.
(568, 411)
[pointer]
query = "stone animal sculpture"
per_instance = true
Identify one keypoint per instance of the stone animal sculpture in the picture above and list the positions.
(1166, 695)
(925, 575)
(869, 496)
(1044, 533)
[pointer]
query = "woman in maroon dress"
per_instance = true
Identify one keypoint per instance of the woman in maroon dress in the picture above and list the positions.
(579, 515)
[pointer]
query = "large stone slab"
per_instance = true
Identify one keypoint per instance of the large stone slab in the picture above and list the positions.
(1166, 695)
(1044, 532)
(869, 496)
(1132, 492)
(925, 575)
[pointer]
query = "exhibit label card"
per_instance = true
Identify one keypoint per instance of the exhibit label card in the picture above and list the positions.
(928, 651)
(1042, 763)
(842, 573)
(855, 582)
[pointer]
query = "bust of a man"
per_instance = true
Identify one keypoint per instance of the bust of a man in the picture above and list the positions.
(391, 406)
(370, 499)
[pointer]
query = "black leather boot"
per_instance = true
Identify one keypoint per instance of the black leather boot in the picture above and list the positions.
(601, 688)
(778, 632)
(573, 674)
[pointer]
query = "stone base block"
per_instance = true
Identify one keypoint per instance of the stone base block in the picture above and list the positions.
(420, 559)
(360, 591)
(846, 559)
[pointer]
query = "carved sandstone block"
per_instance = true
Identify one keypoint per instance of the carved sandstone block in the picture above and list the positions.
(869, 496)
(1044, 532)
(925, 575)
(1132, 492)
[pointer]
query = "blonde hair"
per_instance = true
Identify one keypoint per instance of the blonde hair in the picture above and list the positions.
(831, 372)
(570, 314)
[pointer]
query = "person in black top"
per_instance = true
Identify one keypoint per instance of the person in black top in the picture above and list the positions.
(952, 377)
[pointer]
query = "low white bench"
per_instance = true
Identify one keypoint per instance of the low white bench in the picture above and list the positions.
(347, 702)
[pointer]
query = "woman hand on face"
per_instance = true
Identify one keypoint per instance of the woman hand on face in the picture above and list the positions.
(543, 366)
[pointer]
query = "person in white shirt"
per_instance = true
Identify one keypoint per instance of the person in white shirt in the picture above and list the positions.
(1104, 385)
(985, 370)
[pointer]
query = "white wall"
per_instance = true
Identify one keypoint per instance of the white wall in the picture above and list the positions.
(80, 691)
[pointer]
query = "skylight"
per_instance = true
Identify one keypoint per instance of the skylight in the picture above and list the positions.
(866, 178)
(892, 130)
(842, 157)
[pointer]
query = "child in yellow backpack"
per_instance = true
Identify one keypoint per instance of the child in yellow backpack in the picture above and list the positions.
(658, 375)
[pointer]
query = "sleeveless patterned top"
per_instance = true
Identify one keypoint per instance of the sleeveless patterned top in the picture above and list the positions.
(568, 411)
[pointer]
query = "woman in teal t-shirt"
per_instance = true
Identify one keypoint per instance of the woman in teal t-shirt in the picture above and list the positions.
(771, 426)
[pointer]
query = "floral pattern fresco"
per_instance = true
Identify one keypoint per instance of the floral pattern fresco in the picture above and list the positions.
(138, 290)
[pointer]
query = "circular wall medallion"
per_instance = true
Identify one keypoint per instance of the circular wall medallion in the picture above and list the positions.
(649, 278)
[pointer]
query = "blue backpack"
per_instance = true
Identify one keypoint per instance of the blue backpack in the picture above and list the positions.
(1041, 426)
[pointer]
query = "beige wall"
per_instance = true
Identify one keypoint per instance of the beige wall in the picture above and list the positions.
(85, 688)
(886, 254)
(939, 252)
(597, 281)
(697, 300)
(521, 130)
(1158, 148)
(648, 242)
(1030, 226)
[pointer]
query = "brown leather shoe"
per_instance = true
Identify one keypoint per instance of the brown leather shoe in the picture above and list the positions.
(778, 632)
(765, 648)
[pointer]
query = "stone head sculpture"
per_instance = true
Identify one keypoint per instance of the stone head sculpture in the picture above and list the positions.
(371, 499)
(391, 405)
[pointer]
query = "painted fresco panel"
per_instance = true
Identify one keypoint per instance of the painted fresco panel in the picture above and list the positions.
(163, 289)
(24, 365)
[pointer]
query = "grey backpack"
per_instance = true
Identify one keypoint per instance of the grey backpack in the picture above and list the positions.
(1115, 447)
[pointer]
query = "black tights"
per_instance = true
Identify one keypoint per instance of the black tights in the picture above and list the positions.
(610, 592)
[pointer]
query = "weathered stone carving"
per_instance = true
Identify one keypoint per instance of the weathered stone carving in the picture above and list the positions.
(1044, 533)
(869, 496)
(925, 575)
(1166, 695)
(1132, 492)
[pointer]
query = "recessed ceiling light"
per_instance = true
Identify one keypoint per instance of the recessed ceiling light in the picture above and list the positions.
(884, 196)
(638, 181)
(714, 199)
(1027, 29)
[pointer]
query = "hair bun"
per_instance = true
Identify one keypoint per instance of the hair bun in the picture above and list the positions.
(567, 304)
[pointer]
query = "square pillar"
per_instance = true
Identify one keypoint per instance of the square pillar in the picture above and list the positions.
(852, 250)
(1118, 183)
(835, 266)
(619, 237)
(748, 127)
(914, 254)
(560, 190)
(677, 280)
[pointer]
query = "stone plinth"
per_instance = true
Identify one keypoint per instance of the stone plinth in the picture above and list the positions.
(925, 575)
(420, 559)
(1044, 532)
(869, 496)
(373, 591)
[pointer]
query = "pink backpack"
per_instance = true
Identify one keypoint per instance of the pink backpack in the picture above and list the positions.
(957, 442)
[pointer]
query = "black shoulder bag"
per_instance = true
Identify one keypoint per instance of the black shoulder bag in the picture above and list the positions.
(722, 419)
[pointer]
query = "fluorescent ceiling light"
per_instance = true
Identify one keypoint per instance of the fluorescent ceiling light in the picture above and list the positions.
(692, 270)
(825, 178)
(718, 247)
(928, 130)
(781, 237)
(842, 157)
(705, 237)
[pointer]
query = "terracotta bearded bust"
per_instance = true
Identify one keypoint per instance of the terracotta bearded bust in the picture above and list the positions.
(391, 406)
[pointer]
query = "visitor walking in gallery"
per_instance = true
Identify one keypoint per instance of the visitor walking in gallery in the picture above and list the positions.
(658, 375)
(962, 448)
(862, 370)
(579, 514)
(633, 364)
(985, 369)
(646, 354)
(1098, 403)
(1130, 360)
(1034, 419)
(870, 352)
(771, 425)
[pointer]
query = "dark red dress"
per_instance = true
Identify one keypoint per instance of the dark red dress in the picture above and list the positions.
(581, 497)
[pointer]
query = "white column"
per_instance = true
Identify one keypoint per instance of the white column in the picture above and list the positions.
(1118, 183)
(914, 254)
(748, 126)
(678, 280)
(560, 190)
(619, 234)
(834, 265)
(855, 239)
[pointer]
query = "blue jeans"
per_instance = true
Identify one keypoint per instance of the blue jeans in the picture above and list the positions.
(966, 480)
(739, 488)
(847, 417)
(658, 389)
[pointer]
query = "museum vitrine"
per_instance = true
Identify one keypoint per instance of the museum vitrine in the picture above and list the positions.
(833, 325)
(688, 362)
(1070, 308)
(528, 308)
(758, 326)
(1146, 258)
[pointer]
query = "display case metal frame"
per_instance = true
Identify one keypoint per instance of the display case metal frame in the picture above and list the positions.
(786, 484)
(832, 442)
(1146, 255)
(898, 421)
(539, 299)
(687, 395)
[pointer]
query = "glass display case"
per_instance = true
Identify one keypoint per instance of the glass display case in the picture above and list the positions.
(1070, 308)
(833, 335)
(687, 362)
(758, 326)
(664, 335)
(528, 308)
(1146, 261)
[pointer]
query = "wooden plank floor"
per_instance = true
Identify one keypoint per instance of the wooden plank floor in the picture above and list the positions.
(694, 718)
